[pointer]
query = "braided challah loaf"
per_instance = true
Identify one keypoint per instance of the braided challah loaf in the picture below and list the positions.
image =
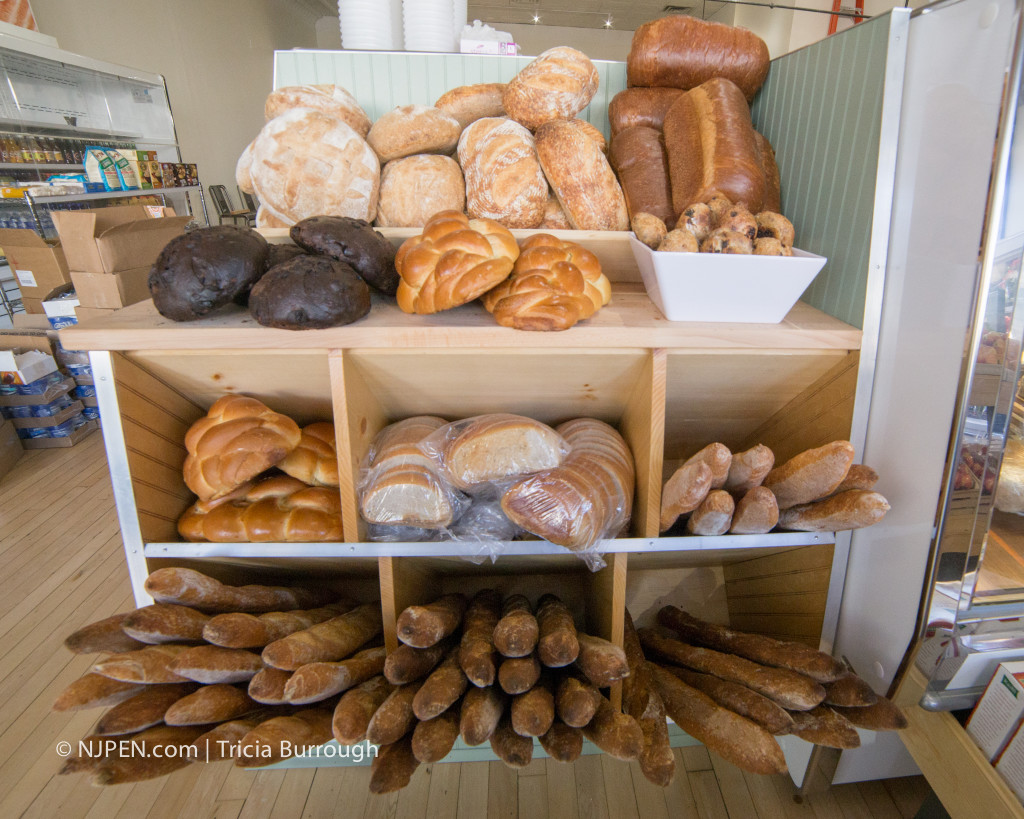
(454, 260)
(238, 439)
(554, 285)
(280, 509)
(587, 498)
(315, 459)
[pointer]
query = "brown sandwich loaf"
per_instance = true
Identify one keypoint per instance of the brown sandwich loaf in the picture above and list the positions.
(241, 630)
(765, 650)
(267, 686)
(744, 701)
(143, 710)
(679, 51)
(498, 447)
(188, 587)
(314, 682)
(637, 154)
(738, 740)
(517, 631)
(810, 475)
(477, 654)
(280, 738)
(150, 665)
(424, 626)
(562, 743)
(557, 85)
(393, 766)
(643, 107)
(823, 726)
(405, 663)
(441, 689)
(684, 491)
(213, 664)
(165, 623)
(615, 733)
(557, 645)
(103, 635)
(330, 640)
(853, 509)
(210, 703)
(480, 712)
(95, 691)
(434, 739)
(356, 708)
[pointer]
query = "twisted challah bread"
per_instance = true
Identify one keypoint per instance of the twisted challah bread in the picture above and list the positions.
(554, 285)
(315, 460)
(238, 439)
(278, 509)
(454, 260)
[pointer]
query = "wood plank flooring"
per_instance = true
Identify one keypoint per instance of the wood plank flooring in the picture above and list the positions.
(63, 567)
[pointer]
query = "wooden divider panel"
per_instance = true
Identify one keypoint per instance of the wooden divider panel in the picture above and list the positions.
(643, 427)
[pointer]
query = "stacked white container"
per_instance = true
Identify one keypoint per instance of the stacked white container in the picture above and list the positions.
(371, 24)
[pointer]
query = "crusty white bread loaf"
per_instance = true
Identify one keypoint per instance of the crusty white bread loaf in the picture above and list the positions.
(267, 686)
(243, 171)
(356, 707)
(103, 635)
(684, 492)
(414, 188)
(330, 640)
(512, 749)
(453, 261)
(222, 741)
(554, 216)
(426, 625)
(713, 516)
(615, 733)
(756, 512)
(241, 630)
(588, 497)
(860, 476)
(150, 665)
(719, 458)
(237, 439)
(576, 700)
(211, 703)
(95, 691)
(748, 469)
(413, 129)
(850, 691)
(468, 103)
(555, 283)
(306, 163)
(853, 509)
(276, 509)
(165, 623)
(441, 689)
(642, 702)
(500, 446)
(579, 174)
(504, 180)
(142, 710)
(314, 682)
(405, 663)
(883, 715)
(332, 100)
(557, 85)
(214, 664)
(187, 587)
(394, 717)
(315, 459)
(593, 132)
(279, 738)
(812, 474)
(517, 632)
(532, 713)
(517, 675)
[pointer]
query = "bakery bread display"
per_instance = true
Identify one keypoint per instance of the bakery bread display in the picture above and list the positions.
(579, 174)
(453, 261)
(504, 179)
(557, 85)
(354, 242)
(414, 188)
(468, 103)
(332, 100)
(680, 51)
(413, 129)
(308, 293)
(554, 285)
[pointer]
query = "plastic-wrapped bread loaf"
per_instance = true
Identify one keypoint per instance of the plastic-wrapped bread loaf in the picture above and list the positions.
(500, 446)
(587, 498)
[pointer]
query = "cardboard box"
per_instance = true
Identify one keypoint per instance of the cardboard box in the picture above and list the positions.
(51, 394)
(28, 340)
(33, 307)
(38, 266)
(1000, 710)
(31, 321)
(53, 443)
(23, 366)
(60, 307)
(50, 420)
(111, 290)
(86, 313)
(11, 449)
(109, 240)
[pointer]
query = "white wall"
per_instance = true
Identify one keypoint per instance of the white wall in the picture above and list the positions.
(596, 43)
(216, 56)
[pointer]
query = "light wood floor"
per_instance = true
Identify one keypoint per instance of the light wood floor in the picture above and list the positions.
(63, 567)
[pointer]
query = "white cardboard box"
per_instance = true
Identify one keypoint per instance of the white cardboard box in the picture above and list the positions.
(998, 713)
(21, 366)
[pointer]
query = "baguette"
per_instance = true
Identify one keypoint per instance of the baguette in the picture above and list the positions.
(860, 476)
(756, 513)
(882, 716)
(165, 623)
(393, 767)
(318, 681)
(330, 640)
(211, 703)
(188, 587)
(765, 650)
(557, 645)
(533, 712)
(103, 635)
(749, 469)
(441, 689)
(517, 631)
(150, 665)
(95, 691)
(281, 738)
(223, 741)
(476, 651)
(212, 664)
(812, 474)
(636, 688)
(736, 739)
(395, 717)
(850, 692)
(823, 726)
(719, 458)
(615, 733)
(563, 743)
(424, 626)
(356, 707)
(481, 710)
(576, 701)
(684, 492)
(793, 691)
(240, 630)
(713, 516)
(405, 663)
(92, 751)
(163, 755)
(512, 749)
(144, 710)
(853, 509)
(657, 762)
(434, 739)
(600, 661)
(267, 686)
(516, 675)
(744, 701)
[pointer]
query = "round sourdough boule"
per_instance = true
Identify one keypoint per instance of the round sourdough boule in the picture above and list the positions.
(468, 103)
(332, 100)
(308, 293)
(243, 170)
(558, 84)
(414, 188)
(199, 271)
(354, 242)
(414, 129)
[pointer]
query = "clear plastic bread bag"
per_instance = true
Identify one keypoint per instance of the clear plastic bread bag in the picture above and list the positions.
(487, 527)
